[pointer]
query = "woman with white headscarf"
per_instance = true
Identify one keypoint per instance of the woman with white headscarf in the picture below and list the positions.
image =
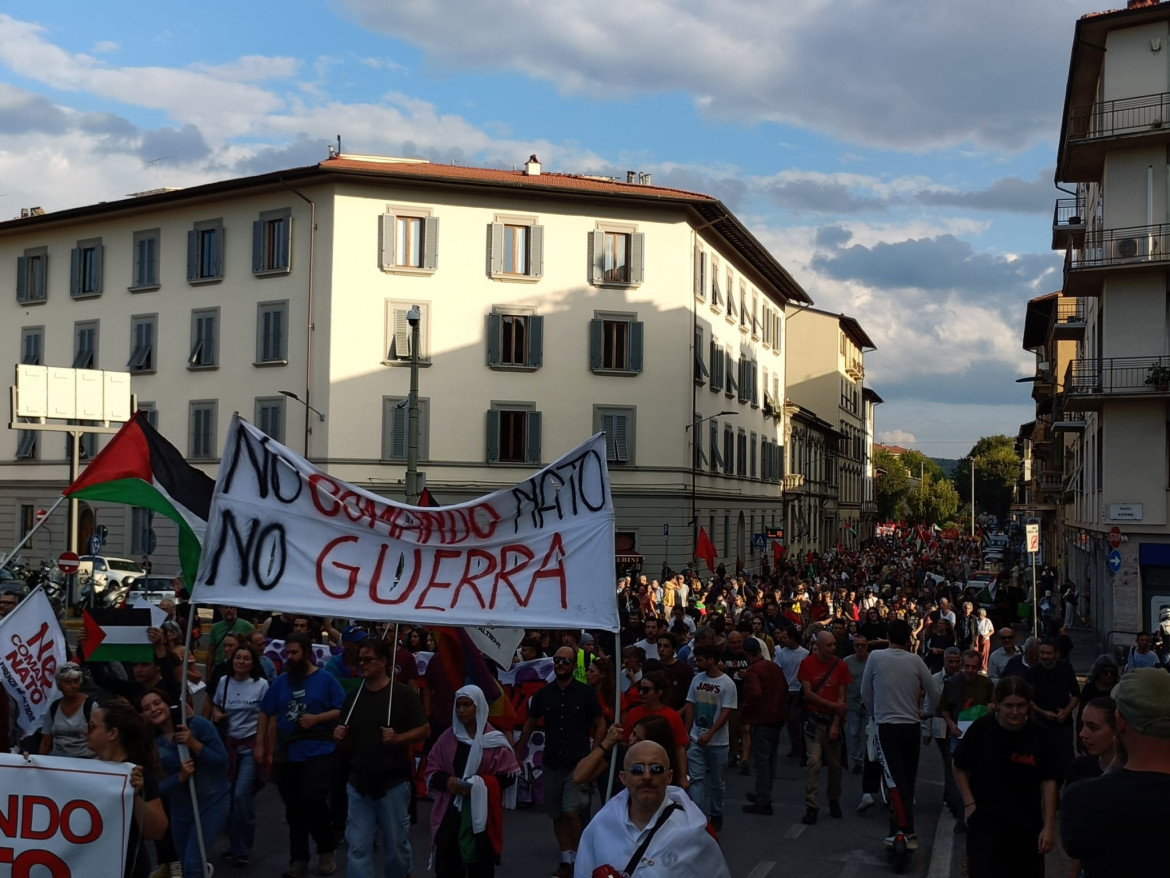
(470, 771)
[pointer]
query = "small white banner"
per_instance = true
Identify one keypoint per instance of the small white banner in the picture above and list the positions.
(65, 818)
(32, 647)
(285, 535)
(498, 644)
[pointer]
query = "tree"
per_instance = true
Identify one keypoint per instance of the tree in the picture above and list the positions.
(997, 467)
(890, 485)
(919, 466)
(931, 501)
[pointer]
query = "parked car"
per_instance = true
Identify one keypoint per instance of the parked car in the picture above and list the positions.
(105, 571)
(153, 587)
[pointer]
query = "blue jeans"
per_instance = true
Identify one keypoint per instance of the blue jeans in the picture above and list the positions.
(242, 830)
(707, 767)
(391, 814)
(212, 815)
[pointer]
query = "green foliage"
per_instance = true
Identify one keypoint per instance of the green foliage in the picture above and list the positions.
(890, 485)
(931, 501)
(919, 465)
(997, 466)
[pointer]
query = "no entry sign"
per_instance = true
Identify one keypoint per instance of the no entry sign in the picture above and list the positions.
(68, 562)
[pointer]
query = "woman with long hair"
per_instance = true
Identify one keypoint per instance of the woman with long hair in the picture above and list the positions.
(116, 733)
(237, 703)
(1006, 769)
(194, 750)
(1102, 677)
(468, 770)
(1098, 741)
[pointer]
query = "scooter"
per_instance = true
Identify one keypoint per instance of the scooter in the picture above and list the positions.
(898, 849)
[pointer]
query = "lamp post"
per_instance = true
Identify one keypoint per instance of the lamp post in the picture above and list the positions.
(694, 461)
(308, 408)
(413, 316)
(972, 496)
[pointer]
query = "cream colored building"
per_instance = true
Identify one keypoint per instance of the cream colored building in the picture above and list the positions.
(1113, 149)
(553, 306)
(826, 374)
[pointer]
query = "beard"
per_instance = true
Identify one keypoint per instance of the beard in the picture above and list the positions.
(298, 667)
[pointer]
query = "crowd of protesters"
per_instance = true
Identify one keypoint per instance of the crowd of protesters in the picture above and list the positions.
(834, 656)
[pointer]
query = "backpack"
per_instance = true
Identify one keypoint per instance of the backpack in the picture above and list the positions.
(86, 709)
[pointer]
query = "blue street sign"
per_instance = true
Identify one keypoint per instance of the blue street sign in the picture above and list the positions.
(95, 543)
(1114, 561)
(759, 541)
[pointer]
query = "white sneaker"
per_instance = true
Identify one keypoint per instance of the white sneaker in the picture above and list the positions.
(865, 804)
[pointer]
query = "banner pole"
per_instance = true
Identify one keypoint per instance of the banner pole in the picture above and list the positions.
(617, 703)
(28, 536)
(184, 753)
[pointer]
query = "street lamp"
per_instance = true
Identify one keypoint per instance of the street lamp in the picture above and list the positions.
(413, 316)
(308, 408)
(694, 465)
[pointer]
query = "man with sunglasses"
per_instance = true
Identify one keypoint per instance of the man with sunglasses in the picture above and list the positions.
(650, 828)
(572, 715)
(998, 660)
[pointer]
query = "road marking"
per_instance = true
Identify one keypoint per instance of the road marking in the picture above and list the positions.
(943, 849)
(762, 869)
(795, 830)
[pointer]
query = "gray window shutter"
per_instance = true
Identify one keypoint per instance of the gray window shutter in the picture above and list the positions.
(399, 421)
(386, 241)
(401, 336)
(277, 334)
(535, 341)
(98, 254)
(21, 279)
(286, 250)
(699, 272)
(536, 251)
(621, 438)
(219, 242)
(780, 461)
(497, 248)
(431, 243)
(596, 251)
(636, 347)
(716, 367)
(532, 445)
(494, 331)
(637, 257)
(755, 384)
(74, 271)
(596, 328)
(716, 454)
(610, 438)
(493, 435)
(210, 354)
(257, 246)
(192, 254)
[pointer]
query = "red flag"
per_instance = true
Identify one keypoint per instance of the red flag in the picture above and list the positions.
(778, 551)
(425, 498)
(706, 549)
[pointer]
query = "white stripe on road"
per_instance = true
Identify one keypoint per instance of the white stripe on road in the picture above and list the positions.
(762, 869)
(943, 849)
(795, 830)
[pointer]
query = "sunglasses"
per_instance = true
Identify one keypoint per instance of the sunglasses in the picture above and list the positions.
(562, 661)
(639, 769)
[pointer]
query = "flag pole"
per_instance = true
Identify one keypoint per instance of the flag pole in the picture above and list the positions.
(28, 536)
(617, 704)
(184, 753)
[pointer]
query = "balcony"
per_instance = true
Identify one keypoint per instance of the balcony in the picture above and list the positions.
(1094, 129)
(1093, 382)
(1068, 320)
(855, 368)
(1068, 223)
(1104, 251)
(1050, 481)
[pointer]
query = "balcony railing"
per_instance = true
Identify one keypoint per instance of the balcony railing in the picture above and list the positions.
(1119, 117)
(1069, 311)
(1068, 222)
(1108, 247)
(1117, 375)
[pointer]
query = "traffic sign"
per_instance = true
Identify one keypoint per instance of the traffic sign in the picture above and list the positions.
(1033, 534)
(1115, 538)
(1114, 561)
(68, 562)
(95, 543)
(759, 541)
(42, 514)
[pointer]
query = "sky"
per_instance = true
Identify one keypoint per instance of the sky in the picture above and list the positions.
(896, 156)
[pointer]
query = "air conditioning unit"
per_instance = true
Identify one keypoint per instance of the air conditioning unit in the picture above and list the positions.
(1127, 248)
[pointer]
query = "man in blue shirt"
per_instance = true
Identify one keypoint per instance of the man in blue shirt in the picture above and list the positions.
(295, 737)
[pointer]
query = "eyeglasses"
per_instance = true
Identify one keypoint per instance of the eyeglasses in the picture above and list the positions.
(639, 769)
(562, 661)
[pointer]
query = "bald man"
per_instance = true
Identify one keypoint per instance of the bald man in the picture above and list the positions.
(679, 844)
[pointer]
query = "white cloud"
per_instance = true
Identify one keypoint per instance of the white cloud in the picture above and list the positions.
(104, 47)
(896, 437)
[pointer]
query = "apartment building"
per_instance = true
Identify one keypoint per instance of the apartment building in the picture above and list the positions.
(811, 483)
(826, 373)
(668, 336)
(1111, 401)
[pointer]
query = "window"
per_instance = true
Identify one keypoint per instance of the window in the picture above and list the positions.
(729, 364)
(615, 343)
(716, 292)
(516, 248)
(744, 307)
(699, 457)
(398, 332)
(141, 523)
(146, 252)
(617, 422)
(148, 409)
(142, 334)
(752, 442)
(716, 453)
(396, 427)
(717, 368)
(26, 446)
(731, 309)
(741, 446)
(728, 449)
(700, 274)
(87, 447)
(272, 242)
(617, 256)
(32, 275)
(205, 251)
(204, 339)
(270, 416)
(513, 433)
(27, 519)
(755, 315)
(85, 342)
(85, 268)
(409, 240)
(272, 332)
(32, 345)
(701, 373)
(515, 340)
(201, 430)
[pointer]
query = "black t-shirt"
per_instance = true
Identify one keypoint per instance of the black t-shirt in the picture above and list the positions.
(368, 755)
(568, 716)
(1116, 824)
(1052, 689)
(734, 666)
(137, 857)
(1005, 769)
(1082, 768)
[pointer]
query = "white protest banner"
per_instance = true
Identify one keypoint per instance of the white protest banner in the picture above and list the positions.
(498, 644)
(285, 535)
(64, 818)
(32, 647)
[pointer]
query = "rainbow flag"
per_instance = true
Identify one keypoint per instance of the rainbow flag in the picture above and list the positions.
(462, 663)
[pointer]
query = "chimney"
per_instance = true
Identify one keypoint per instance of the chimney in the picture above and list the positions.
(532, 166)
(645, 179)
(631, 176)
(1137, 4)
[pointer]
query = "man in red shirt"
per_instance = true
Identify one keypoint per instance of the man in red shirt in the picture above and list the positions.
(764, 710)
(654, 687)
(823, 679)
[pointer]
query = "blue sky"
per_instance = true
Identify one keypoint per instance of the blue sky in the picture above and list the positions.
(895, 155)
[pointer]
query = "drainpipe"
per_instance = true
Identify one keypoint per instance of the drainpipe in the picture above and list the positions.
(309, 317)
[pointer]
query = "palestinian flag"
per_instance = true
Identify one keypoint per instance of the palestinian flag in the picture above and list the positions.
(139, 467)
(457, 661)
(116, 636)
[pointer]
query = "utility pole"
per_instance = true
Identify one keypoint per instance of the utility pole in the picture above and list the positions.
(972, 496)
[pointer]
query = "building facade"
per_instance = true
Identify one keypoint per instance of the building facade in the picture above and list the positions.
(668, 337)
(811, 485)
